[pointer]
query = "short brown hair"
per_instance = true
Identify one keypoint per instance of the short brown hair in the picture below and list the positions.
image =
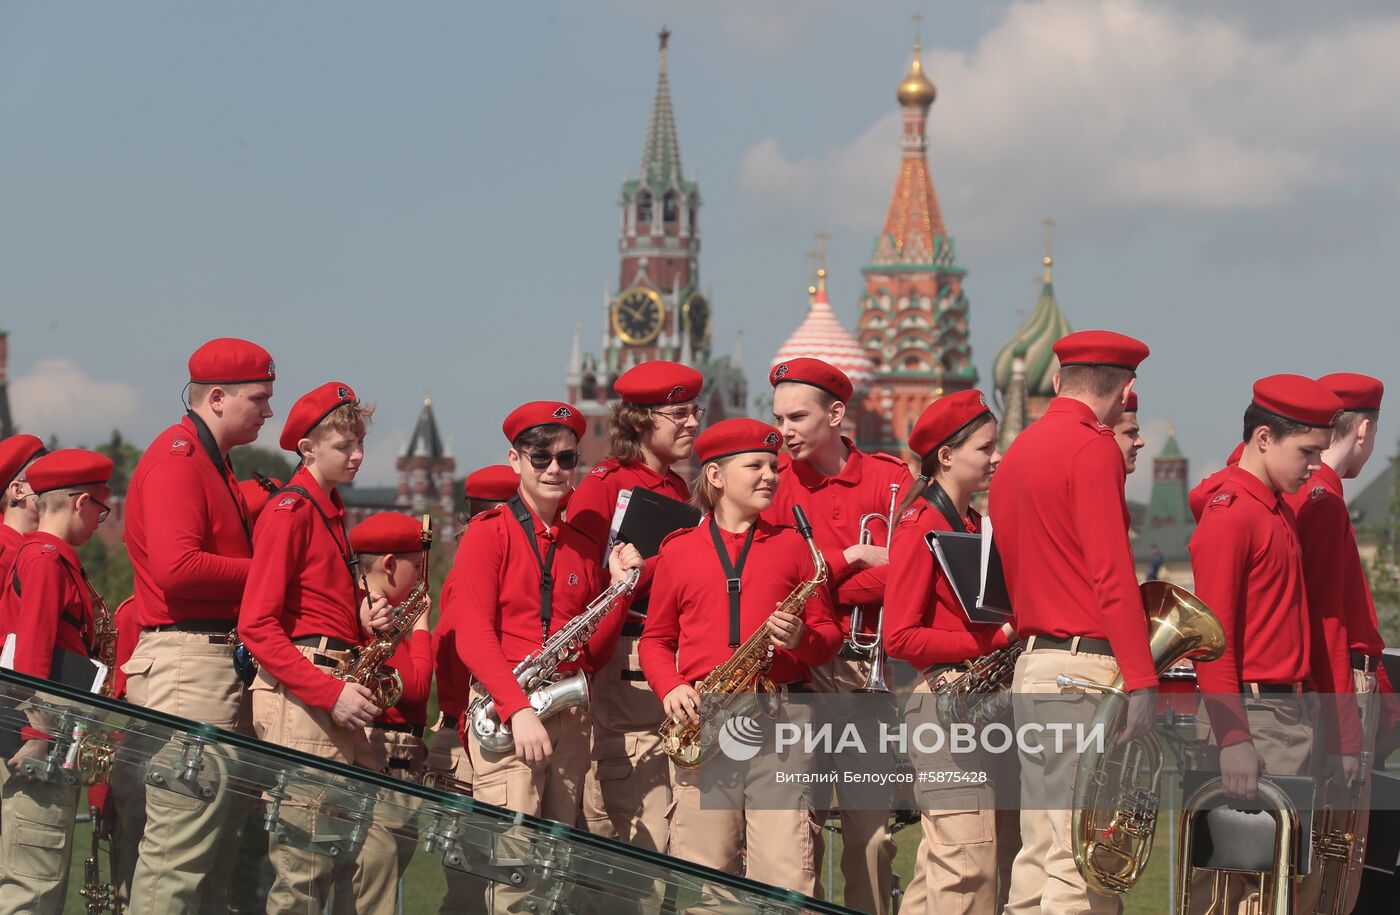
(824, 397)
(1094, 380)
(627, 423)
(1348, 420)
(199, 393)
(702, 495)
(1279, 427)
(348, 418)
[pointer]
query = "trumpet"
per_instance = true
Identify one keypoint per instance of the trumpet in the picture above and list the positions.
(871, 647)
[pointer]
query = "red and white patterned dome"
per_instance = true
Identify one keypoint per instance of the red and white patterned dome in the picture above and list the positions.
(822, 336)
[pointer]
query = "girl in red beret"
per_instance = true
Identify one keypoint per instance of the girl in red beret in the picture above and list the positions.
(695, 621)
(967, 841)
(520, 575)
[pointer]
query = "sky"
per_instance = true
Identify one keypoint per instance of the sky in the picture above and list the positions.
(422, 198)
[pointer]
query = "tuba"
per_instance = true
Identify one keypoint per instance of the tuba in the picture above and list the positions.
(733, 687)
(1115, 807)
(549, 692)
(1275, 893)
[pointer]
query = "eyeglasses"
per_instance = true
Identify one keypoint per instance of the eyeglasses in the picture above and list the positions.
(106, 510)
(681, 417)
(540, 460)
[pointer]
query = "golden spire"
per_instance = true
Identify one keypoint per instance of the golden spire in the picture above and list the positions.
(1049, 261)
(821, 280)
(916, 89)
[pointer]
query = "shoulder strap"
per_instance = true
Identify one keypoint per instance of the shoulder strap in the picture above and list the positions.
(522, 515)
(342, 542)
(225, 468)
(936, 497)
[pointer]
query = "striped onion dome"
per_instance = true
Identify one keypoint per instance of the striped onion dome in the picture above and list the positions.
(822, 336)
(1036, 336)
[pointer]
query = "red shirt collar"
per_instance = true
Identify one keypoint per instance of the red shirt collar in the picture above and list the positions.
(63, 547)
(329, 502)
(1076, 408)
(1242, 480)
(850, 475)
(649, 476)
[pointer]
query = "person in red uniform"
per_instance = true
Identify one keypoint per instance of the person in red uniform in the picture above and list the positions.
(47, 606)
(299, 619)
(1340, 597)
(650, 430)
(969, 838)
(695, 621)
(392, 559)
(1060, 523)
(449, 764)
(20, 514)
(837, 485)
(189, 535)
(1128, 433)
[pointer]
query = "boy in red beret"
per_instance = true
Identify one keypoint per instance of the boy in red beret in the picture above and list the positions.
(392, 555)
(837, 484)
(20, 513)
(299, 619)
(48, 606)
(650, 430)
(1060, 522)
(519, 576)
(1340, 598)
(190, 537)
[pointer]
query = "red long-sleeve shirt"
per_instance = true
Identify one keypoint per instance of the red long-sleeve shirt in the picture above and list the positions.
(924, 621)
(300, 585)
(187, 532)
(128, 634)
(492, 600)
(593, 501)
(835, 506)
(10, 539)
(1060, 523)
(1203, 490)
(1249, 571)
(687, 629)
(414, 661)
(453, 678)
(46, 604)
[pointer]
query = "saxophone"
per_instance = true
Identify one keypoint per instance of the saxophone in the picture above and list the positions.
(367, 663)
(549, 692)
(982, 694)
(93, 751)
(98, 896)
(733, 688)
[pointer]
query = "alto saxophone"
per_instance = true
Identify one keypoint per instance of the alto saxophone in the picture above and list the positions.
(538, 675)
(94, 749)
(367, 664)
(733, 687)
(982, 694)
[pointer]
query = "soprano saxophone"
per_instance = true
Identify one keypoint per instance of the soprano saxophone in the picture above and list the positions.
(733, 687)
(538, 675)
(368, 664)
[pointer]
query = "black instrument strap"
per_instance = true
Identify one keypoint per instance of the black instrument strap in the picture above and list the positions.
(935, 496)
(342, 540)
(78, 625)
(225, 468)
(527, 522)
(732, 574)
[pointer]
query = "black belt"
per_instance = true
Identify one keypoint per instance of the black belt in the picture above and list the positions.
(449, 722)
(633, 629)
(323, 642)
(403, 728)
(216, 630)
(1086, 645)
(1366, 663)
(798, 687)
(1274, 689)
(633, 676)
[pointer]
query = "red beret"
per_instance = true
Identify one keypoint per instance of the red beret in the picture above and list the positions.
(944, 418)
(1132, 403)
(543, 413)
(658, 382)
(1100, 347)
(736, 436)
(494, 483)
(15, 452)
(387, 532)
(310, 408)
(229, 360)
(1356, 392)
(818, 374)
(255, 495)
(1298, 399)
(68, 467)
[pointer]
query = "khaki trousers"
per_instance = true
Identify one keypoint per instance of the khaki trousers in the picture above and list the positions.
(189, 847)
(628, 786)
(971, 828)
(36, 843)
(1044, 877)
(304, 878)
(373, 887)
(126, 807)
(867, 848)
(464, 891)
(773, 833)
(552, 791)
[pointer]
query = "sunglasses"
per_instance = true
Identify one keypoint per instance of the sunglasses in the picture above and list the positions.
(540, 460)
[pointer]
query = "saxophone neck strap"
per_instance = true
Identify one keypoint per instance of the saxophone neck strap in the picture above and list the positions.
(733, 573)
(341, 538)
(223, 466)
(936, 497)
(526, 519)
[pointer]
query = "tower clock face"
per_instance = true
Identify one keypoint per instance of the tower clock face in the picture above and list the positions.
(637, 315)
(697, 319)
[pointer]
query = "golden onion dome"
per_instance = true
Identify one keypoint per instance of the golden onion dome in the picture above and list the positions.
(916, 88)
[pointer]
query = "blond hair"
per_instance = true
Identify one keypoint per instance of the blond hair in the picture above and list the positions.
(351, 419)
(703, 494)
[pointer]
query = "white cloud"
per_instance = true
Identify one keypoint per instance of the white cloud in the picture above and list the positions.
(1110, 111)
(59, 398)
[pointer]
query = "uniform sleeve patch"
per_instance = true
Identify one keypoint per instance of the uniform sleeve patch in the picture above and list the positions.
(1222, 499)
(287, 503)
(182, 446)
(1317, 493)
(601, 470)
(909, 514)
